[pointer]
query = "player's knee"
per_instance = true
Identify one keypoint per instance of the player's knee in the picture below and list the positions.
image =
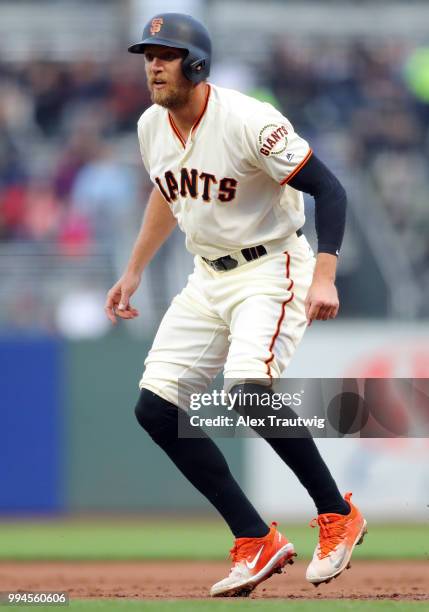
(157, 416)
(249, 397)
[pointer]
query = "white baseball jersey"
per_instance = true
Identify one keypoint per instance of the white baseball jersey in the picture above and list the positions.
(227, 184)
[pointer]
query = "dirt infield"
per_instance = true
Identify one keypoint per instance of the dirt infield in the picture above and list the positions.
(190, 580)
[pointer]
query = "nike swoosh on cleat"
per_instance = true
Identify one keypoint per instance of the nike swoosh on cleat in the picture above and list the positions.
(255, 560)
(338, 562)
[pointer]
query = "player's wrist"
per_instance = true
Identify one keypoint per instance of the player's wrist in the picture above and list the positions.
(326, 267)
(135, 269)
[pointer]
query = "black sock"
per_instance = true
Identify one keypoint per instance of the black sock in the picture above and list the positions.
(304, 459)
(201, 462)
(301, 455)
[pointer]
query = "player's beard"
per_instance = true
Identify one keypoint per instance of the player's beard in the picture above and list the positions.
(172, 97)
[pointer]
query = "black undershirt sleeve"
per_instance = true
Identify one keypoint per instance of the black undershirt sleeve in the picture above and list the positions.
(330, 203)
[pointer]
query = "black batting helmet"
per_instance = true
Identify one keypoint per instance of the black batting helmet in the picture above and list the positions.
(182, 32)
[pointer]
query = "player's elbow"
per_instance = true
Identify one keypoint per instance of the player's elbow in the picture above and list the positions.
(331, 194)
(338, 193)
(341, 192)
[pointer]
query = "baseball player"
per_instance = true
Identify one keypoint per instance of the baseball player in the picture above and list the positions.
(230, 171)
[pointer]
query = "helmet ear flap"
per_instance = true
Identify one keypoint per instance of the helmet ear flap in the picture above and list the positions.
(198, 65)
(195, 69)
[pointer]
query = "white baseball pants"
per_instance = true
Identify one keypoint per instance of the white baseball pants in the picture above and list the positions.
(248, 320)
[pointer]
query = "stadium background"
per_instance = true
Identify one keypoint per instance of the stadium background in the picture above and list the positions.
(353, 77)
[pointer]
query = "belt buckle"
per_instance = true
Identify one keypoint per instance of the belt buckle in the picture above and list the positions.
(222, 264)
(225, 263)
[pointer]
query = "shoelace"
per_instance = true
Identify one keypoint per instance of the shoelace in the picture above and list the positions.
(332, 531)
(241, 549)
(238, 554)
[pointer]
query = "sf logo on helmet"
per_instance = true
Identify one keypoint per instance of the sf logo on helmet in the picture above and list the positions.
(156, 25)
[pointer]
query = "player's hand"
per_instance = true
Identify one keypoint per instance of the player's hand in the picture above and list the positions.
(118, 298)
(322, 301)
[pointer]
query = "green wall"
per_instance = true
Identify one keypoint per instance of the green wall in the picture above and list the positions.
(113, 465)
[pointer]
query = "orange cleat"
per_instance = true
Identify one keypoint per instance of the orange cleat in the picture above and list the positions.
(254, 560)
(338, 536)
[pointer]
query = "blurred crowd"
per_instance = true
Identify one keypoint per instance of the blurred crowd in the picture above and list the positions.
(64, 176)
(70, 171)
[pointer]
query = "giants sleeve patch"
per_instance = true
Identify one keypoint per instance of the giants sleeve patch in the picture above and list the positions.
(272, 139)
